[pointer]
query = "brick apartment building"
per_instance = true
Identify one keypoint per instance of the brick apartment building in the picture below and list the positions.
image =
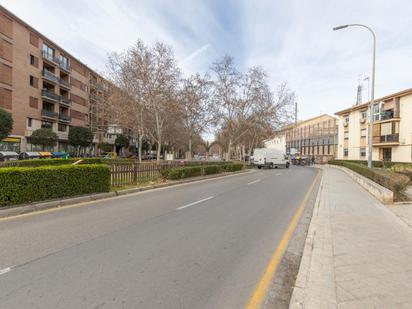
(391, 133)
(43, 86)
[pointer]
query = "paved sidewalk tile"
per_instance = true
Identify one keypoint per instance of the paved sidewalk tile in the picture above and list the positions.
(358, 254)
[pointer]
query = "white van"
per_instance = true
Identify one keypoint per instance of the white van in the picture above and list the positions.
(272, 158)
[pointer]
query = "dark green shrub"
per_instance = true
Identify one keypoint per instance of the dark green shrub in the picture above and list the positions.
(43, 162)
(395, 182)
(234, 167)
(184, 172)
(25, 184)
(213, 169)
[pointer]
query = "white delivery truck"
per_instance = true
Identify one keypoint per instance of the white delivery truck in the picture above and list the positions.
(272, 158)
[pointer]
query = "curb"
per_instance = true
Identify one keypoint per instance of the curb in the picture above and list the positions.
(16, 210)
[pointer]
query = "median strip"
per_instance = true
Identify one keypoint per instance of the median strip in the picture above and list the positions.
(252, 182)
(195, 203)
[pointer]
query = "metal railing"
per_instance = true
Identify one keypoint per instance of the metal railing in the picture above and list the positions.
(48, 113)
(391, 138)
(64, 117)
(64, 83)
(50, 76)
(50, 57)
(66, 101)
(50, 95)
(65, 66)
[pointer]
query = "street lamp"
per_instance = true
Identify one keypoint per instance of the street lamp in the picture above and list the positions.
(371, 103)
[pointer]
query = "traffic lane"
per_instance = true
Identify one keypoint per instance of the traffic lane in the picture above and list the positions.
(29, 237)
(208, 256)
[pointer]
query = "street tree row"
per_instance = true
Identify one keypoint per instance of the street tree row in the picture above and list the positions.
(158, 103)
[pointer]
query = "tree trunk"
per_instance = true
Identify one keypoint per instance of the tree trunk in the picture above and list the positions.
(139, 150)
(229, 149)
(189, 157)
(159, 145)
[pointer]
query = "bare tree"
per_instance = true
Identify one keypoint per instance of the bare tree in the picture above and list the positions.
(149, 76)
(247, 103)
(197, 108)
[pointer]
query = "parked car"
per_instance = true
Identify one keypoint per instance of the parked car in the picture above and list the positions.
(8, 156)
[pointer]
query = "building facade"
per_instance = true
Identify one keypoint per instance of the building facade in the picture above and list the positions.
(391, 131)
(316, 137)
(43, 86)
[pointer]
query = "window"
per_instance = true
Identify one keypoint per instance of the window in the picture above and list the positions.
(363, 133)
(364, 114)
(33, 102)
(48, 52)
(362, 152)
(62, 127)
(346, 135)
(33, 81)
(345, 152)
(32, 60)
(376, 112)
(64, 61)
(29, 122)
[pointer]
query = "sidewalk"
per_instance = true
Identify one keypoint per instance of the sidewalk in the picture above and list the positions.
(358, 254)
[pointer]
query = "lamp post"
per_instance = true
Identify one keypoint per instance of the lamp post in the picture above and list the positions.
(371, 103)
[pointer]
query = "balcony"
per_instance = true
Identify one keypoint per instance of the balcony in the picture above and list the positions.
(50, 76)
(64, 66)
(64, 117)
(64, 83)
(65, 101)
(50, 95)
(389, 114)
(49, 114)
(391, 139)
(50, 57)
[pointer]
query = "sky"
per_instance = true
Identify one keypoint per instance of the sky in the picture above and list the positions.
(291, 39)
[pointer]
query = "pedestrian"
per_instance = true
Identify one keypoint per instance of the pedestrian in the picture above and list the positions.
(313, 160)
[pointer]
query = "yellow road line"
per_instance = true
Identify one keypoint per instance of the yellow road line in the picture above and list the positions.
(261, 289)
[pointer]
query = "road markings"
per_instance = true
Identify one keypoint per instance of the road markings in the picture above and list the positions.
(5, 270)
(261, 289)
(252, 182)
(278, 174)
(195, 203)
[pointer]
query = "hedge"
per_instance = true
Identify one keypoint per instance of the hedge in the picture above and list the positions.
(191, 171)
(25, 184)
(395, 182)
(44, 162)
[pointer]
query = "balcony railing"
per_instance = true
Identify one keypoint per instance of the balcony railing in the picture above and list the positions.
(50, 57)
(48, 113)
(65, 66)
(66, 101)
(50, 95)
(50, 76)
(64, 117)
(64, 83)
(391, 138)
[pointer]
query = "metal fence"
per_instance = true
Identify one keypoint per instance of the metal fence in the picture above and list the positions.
(132, 173)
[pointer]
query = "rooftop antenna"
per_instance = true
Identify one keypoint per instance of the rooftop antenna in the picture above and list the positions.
(359, 91)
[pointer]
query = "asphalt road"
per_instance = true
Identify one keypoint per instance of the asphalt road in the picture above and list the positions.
(198, 245)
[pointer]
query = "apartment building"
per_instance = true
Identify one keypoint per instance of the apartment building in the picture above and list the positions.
(391, 131)
(313, 137)
(44, 86)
